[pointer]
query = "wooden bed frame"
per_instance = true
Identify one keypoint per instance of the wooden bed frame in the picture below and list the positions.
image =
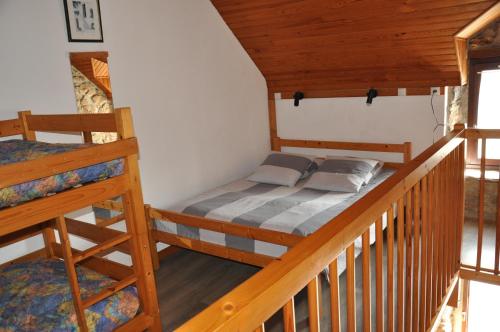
(44, 215)
(270, 236)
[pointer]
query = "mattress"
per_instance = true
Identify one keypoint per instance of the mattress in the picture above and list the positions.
(294, 210)
(13, 151)
(35, 296)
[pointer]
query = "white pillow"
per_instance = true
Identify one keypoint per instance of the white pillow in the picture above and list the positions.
(282, 169)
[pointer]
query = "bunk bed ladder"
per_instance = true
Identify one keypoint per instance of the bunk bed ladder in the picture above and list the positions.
(72, 259)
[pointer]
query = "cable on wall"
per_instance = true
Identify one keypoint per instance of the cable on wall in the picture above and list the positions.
(437, 123)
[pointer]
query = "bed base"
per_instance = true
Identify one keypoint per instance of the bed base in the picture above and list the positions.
(45, 215)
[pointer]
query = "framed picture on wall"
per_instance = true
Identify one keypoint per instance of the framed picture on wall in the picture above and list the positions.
(83, 21)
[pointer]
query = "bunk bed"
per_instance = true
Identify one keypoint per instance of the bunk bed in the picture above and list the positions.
(59, 287)
(270, 220)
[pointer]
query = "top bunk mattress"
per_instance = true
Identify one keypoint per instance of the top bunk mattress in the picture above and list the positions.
(293, 210)
(35, 296)
(13, 151)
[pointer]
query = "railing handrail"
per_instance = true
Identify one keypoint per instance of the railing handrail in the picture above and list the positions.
(258, 298)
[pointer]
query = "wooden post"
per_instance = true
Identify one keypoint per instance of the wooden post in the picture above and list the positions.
(28, 134)
(152, 243)
(407, 152)
(135, 218)
(273, 127)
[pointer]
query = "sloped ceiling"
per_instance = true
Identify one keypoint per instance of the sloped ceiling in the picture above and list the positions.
(343, 47)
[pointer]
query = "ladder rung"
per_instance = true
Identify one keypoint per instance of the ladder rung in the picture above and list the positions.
(108, 291)
(101, 247)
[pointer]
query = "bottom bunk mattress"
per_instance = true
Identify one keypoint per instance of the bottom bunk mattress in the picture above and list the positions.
(35, 296)
(293, 210)
(13, 151)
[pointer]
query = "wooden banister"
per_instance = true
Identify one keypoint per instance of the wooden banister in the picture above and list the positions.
(253, 302)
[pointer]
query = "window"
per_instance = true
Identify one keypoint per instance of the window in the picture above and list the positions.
(484, 106)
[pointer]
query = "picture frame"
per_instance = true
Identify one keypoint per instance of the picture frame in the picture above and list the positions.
(83, 21)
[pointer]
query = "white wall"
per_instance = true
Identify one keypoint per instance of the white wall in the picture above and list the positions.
(387, 120)
(199, 102)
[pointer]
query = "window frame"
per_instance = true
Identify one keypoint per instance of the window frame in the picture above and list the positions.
(479, 60)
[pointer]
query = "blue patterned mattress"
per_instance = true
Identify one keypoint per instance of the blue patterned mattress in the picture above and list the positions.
(35, 296)
(13, 151)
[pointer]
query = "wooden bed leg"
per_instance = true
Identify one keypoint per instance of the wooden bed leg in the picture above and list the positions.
(135, 219)
(49, 239)
(152, 243)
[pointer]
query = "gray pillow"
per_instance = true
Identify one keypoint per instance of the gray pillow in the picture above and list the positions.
(282, 169)
(343, 174)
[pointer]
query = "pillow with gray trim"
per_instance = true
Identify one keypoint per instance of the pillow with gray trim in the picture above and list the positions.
(282, 169)
(376, 164)
(342, 174)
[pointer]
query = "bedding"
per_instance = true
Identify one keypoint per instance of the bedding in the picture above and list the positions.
(35, 296)
(296, 210)
(12, 151)
(283, 169)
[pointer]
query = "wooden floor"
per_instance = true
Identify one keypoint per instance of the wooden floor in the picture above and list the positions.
(188, 282)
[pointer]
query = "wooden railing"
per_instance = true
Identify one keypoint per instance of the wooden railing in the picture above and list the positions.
(480, 260)
(416, 265)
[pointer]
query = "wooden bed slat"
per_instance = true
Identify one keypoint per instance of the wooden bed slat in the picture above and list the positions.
(213, 249)
(289, 316)
(102, 122)
(95, 234)
(313, 304)
(334, 296)
(355, 146)
(379, 281)
(32, 212)
(351, 289)
(390, 269)
(10, 128)
(409, 259)
(255, 233)
(416, 255)
(25, 171)
(367, 302)
(400, 265)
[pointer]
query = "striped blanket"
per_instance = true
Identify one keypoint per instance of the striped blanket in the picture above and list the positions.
(293, 210)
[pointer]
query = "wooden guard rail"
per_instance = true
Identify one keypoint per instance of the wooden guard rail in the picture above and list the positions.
(484, 269)
(416, 277)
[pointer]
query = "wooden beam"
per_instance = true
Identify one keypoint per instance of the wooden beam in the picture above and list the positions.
(489, 16)
(273, 127)
(213, 249)
(462, 38)
(225, 227)
(102, 122)
(39, 210)
(10, 128)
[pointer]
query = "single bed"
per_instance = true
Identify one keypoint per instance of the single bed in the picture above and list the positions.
(36, 296)
(13, 151)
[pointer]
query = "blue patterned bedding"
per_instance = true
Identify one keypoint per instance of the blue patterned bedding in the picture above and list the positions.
(13, 151)
(35, 296)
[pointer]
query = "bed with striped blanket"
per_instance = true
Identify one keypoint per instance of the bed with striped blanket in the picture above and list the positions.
(293, 210)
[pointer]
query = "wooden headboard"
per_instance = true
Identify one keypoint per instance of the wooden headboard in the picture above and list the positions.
(403, 148)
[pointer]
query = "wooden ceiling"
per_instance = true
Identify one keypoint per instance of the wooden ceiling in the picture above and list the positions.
(343, 47)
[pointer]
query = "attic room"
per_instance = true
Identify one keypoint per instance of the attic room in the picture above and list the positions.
(265, 165)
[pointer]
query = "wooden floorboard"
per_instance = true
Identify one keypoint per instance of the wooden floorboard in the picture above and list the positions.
(188, 282)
